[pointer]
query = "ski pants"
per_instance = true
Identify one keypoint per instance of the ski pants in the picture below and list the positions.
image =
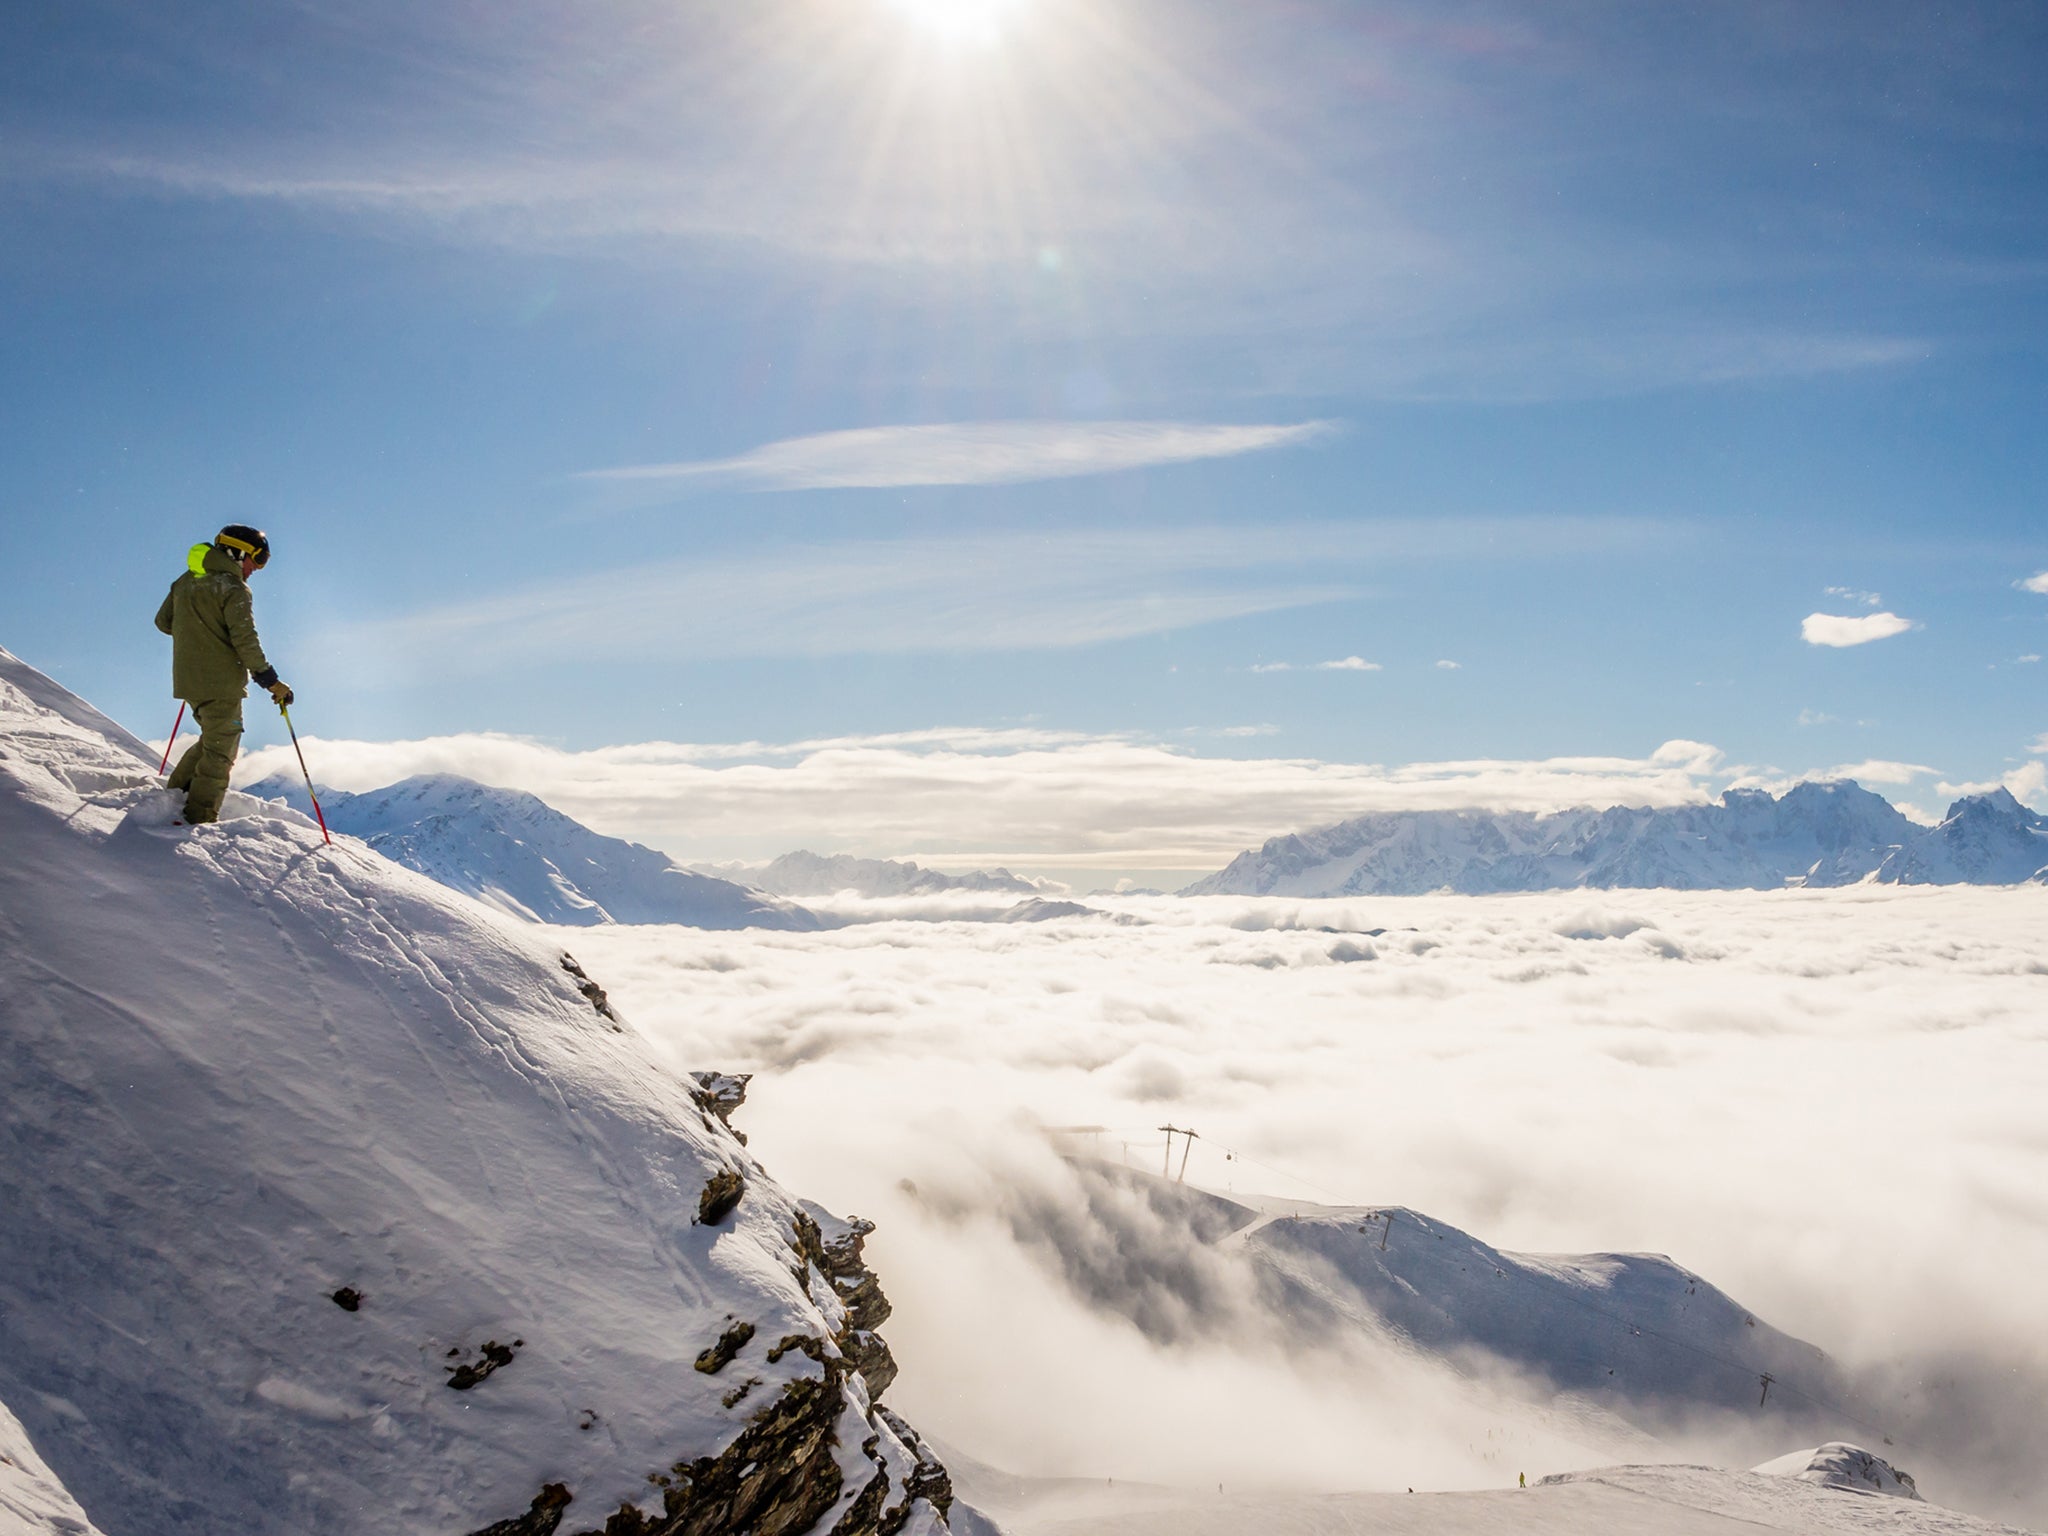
(203, 771)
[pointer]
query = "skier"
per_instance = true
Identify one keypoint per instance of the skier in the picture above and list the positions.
(214, 652)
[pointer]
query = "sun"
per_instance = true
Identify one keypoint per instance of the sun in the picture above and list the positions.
(962, 23)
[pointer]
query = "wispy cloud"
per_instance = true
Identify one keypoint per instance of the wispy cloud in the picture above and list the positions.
(1036, 589)
(1856, 595)
(806, 134)
(2028, 782)
(2034, 584)
(970, 453)
(1449, 666)
(1877, 771)
(1841, 630)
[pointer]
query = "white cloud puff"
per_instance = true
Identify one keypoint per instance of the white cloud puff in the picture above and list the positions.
(2034, 584)
(1842, 630)
(1348, 664)
(970, 453)
(1448, 666)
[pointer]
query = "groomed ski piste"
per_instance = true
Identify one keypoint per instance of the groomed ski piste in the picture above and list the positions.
(331, 1203)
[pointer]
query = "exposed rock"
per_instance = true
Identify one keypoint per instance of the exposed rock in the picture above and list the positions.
(870, 1355)
(722, 1192)
(592, 992)
(348, 1298)
(539, 1520)
(721, 1093)
(929, 1480)
(776, 1479)
(493, 1357)
(836, 1246)
(730, 1343)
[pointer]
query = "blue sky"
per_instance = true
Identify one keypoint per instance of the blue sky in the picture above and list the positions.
(616, 373)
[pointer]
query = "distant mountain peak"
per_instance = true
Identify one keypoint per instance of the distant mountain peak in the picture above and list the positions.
(513, 851)
(1826, 832)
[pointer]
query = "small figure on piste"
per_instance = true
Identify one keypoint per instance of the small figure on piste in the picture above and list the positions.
(214, 652)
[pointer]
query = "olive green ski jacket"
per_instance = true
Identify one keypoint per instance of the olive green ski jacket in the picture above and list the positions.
(212, 624)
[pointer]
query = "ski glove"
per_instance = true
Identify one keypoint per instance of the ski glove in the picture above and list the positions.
(282, 694)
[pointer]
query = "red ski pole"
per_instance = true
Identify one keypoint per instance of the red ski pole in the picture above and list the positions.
(309, 777)
(160, 767)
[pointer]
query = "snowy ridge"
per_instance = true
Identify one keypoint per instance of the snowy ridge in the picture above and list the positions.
(1643, 1336)
(1841, 1465)
(1816, 834)
(514, 852)
(327, 1206)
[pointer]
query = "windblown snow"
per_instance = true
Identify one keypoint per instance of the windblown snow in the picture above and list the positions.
(326, 1206)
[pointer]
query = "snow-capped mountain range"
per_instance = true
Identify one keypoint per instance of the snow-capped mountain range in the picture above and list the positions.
(513, 851)
(804, 873)
(329, 1205)
(1815, 834)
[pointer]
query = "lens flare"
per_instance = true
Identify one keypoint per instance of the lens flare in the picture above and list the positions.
(961, 23)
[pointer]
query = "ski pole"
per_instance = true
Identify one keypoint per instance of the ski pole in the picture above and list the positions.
(309, 777)
(160, 767)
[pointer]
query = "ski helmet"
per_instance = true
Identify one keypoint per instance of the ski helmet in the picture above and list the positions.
(244, 542)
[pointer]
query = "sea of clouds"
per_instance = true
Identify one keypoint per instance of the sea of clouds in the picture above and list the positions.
(1827, 1103)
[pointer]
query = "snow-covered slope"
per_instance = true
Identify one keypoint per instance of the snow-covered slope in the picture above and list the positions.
(327, 1206)
(1815, 834)
(1608, 1501)
(1635, 1332)
(804, 873)
(515, 852)
(32, 1501)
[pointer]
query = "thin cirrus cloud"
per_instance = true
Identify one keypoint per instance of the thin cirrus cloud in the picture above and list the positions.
(1005, 589)
(1840, 630)
(968, 453)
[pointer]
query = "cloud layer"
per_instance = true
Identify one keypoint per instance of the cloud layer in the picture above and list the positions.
(1042, 799)
(1840, 630)
(970, 453)
(1826, 1103)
